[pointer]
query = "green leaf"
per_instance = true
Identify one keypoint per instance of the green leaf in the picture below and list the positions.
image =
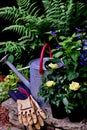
(62, 37)
(72, 75)
(11, 58)
(74, 56)
(65, 101)
(50, 38)
(58, 54)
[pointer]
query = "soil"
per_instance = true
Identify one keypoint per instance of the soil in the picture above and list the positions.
(4, 120)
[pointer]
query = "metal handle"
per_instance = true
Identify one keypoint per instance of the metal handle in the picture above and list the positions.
(42, 55)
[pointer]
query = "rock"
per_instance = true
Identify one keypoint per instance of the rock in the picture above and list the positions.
(50, 123)
(15, 128)
(65, 124)
(11, 105)
(13, 119)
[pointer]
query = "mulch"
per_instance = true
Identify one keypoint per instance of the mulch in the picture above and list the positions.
(4, 119)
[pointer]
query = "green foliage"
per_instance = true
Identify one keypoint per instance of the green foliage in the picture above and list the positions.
(70, 78)
(33, 30)
(12, 47)
(69, 51)
(10, 82)
(65, 16)
(26, 23)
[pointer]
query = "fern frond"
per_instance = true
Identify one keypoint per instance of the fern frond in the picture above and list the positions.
(28, 38)
(25, 33)
(46, 4)
(23, 4)
(26, 5)
(56, 13)
(65, 15)
(20, 29)
(11, 14)
(8, 13)
(26, 20)
(81, 7)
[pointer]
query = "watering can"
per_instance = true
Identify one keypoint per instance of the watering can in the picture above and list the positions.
(37, 69)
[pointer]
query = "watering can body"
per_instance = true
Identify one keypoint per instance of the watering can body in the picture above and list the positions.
(36, 78)
(37, 70)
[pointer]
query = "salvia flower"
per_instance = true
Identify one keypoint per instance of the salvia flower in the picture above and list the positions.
(58, 47)
(53, 33)
(78, 29)
(78, 33)
(83, 54)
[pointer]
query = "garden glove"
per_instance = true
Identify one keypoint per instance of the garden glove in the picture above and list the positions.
(30, 114)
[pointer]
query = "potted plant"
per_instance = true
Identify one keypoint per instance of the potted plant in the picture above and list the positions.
(51, 89)
(66, 85)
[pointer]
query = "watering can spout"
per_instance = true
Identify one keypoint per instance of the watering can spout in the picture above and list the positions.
(21, 77)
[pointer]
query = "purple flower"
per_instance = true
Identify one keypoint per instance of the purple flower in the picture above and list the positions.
(60, 64)
(53, 33)
(78, 30)
(83, 58)
(58, 47)
(78, 33)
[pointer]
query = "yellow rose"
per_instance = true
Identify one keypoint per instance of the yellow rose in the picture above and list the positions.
(50, 83)
(74, 86)
(53, 66)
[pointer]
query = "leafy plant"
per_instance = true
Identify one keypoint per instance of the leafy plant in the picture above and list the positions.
(32, 29)
(9, 83)
(25, 22)
(67, 83)
(65, 15)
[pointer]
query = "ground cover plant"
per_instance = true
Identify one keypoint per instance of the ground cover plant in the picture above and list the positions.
(9, 82)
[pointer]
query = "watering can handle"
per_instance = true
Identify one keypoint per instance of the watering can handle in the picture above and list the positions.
(42, 55)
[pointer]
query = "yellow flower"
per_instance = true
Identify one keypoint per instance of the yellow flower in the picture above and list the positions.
(53, 66)
(74, 86)
(50, 83)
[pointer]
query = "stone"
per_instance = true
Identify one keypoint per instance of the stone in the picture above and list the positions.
(65, 124)
(50, 123)
(11, 105)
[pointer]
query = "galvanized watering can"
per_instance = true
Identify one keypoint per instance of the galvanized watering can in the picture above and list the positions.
(37, 69)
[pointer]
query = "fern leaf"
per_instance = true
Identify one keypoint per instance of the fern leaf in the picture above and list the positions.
(20, 29)
(27, 6)
(23, 4)
(8, 13)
